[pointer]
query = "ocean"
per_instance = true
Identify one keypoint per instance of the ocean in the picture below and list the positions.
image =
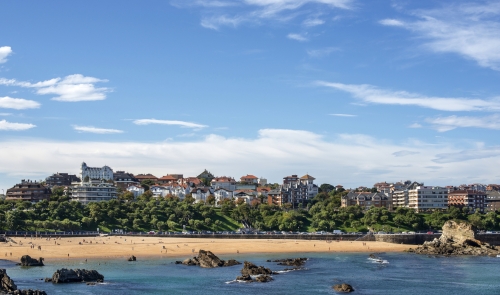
(401, 273)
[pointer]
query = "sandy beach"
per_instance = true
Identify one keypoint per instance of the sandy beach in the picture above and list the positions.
(123, 247)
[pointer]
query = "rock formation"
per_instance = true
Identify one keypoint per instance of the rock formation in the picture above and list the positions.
(64, 275)
(26, 260)
(457, 239)
(253, 270)
(208, 259)
(132, 258)
(291, 261)
(343, 288)
(7, 286)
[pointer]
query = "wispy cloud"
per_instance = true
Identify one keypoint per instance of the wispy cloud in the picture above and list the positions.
(343, 115)
(71, 88)
(468, 155)
(321, 52)
(312, 22)
(9, 126)
(18, 103)
(415, 125)
(372, 94)
(5, 114)
(404, 153)
(169, 122)
(91, 129)
(5, 51)
(443, 124)
(297, 37)
(471, 30)
(215, 22)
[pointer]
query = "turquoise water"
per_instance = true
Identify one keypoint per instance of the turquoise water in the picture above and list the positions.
(403, 274)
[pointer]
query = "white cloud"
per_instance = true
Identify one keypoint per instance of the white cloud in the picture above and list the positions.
(169, 122)
(404, 153)
(470, 30)
(321, 52)
(18, 103)
(71, 88)
(91, 129)
(5, 114)
(343, 115)
(312, 22)
(215, 22)
(5, 51)
(4, 125)
(443, 124)
(358, 159)
(372, 94)
(297, 37)
(415, 125)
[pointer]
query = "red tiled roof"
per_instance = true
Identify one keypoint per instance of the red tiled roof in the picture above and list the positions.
(249, 176)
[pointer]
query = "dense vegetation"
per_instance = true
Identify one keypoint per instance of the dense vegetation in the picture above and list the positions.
(146, 213)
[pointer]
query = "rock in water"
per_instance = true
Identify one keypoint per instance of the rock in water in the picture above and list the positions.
(457, 239)
(343, 288)
(252, 269)
(291, 261)
(132, 258)
(208, 259)
(64, 275)
(7, 286)
(26, 260)
(263, 278)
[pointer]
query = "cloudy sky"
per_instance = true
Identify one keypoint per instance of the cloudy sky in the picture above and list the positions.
(352, 92)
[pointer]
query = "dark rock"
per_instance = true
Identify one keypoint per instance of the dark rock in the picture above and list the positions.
(48, 280)
(6, 283)
(343, 288)
(245, 278)
(263, 278)
(132, 258)
(178, 262)
(91, 283)
(291, 261)
(76, 275)
(26, 260)
(252, 269)
(208, 259)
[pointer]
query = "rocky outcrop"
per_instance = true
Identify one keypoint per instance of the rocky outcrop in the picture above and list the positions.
(457, 239)
(64, 275)
(253, 270)
(343, 288)
(26, 260)
(7, 286)
(132, 258)
(297, 262)
(208, 259)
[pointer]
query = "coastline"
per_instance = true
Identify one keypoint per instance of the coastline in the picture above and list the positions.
(165, 247)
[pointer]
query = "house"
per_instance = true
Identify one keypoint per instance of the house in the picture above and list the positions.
(87, 192)
(190, 181)
(426, 198)
(100, 173)
(472, 199)
(61, 179)
(137, 190)
(249, 179)
(221, 194)
(124, 179)
(366, 200)
(200, 194)
(28, 190)
(246, 196)
(148, 176)
(263, 191)
(228, 183)
(159, 191)
(167, 179)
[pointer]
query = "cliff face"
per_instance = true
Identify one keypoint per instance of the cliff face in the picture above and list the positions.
(457, 239)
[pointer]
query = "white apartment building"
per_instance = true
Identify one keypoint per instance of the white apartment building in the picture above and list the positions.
(105, 172)
(425, 198)
(221, 194)
(88, 192)
(137, 190)
(228, 183)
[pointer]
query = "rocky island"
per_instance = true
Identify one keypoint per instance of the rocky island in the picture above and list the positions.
(207, 259)
(7, 286)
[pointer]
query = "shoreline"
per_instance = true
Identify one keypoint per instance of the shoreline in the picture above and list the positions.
(118, 247)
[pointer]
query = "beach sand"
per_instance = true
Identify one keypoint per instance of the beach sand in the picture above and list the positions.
(178, 247)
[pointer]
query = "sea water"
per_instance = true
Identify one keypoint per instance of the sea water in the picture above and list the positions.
(395, 273)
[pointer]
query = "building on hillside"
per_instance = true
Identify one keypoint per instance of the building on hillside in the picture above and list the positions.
(262, 181)
(167, 179)
(474, 200)
(159, 191)
(87, 192)
(148, 176)
(249, 179)
(274, 197)
(206, 175)
(297, 190)
(61, 179)
(124, 179)
(190, 181)
(221, 194)
(367, 200)
(246, 196)
(399, 193)
(426, 198)
(339, 187)
(28, 190)
(472, 187)
(228, 183)
(200, 194)
(263, 191)
(137, 190)
(493, 200)
(99, 173)
(382, 186)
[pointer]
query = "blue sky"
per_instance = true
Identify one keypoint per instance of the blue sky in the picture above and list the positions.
(352, 92)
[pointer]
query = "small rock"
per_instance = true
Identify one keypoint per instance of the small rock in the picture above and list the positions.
(343, 288)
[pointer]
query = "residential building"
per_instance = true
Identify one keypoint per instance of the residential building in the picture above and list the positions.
(246, 196)
(274, 197)
(206, 175)
(147, 176)
(137, 190)
(99, 173)
(190, 181)
(167, 179)
(228, 183)
(263, 191)
(297, 190)
(367, 200)
(200, 194)
(399, 195)
(493, 187)
(249, 179)
(262, 181)
(221, 194)
(61, 179)
(474, 200)
(493, 200)
(124, 179)
(426, 198)
(87, 192)
(28, 190)
(159, 191)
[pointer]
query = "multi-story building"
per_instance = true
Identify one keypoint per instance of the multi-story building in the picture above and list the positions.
(28, 190)
(493, 200)
(124, 179)
(167, 179)
(262, 181)
(367, 200)
(425, 198)
(297, 190)
(87, 192)
(400, 197)
(474, 200)
(221, 194)
(104, 172)
(274, 197)
(137, 190)
(61, 179)
(493, 187)
(228, 183)
(148, 176)
(249, 179)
